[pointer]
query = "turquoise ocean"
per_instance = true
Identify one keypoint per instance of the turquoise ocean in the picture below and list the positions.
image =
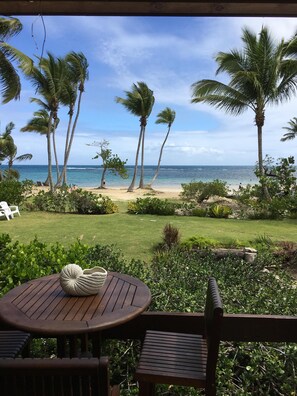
(170, 176)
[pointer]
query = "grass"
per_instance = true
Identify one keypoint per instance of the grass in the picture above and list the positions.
(136, 235)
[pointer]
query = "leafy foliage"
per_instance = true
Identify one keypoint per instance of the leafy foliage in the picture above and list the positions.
(15, 192)
(74, 201)
(219, 211)
(153, 205)
(280, 181)
(201, 191)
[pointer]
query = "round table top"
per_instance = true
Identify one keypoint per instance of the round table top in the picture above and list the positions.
(40, 306)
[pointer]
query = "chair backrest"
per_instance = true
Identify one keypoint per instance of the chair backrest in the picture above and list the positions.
(54, 377)
(213, 316)
(4, 206)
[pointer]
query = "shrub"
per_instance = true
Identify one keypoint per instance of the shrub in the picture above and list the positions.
(15, 192)
(77, 201)
(200, 242)
(152, 206)
(219, 211)
(199, 212)
(201, 191)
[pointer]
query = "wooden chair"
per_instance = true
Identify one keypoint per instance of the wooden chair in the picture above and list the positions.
(183, 359)
(55, 377)
(13, 343)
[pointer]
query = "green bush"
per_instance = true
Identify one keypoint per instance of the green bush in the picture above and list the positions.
(75, 201)
(15, 192)
(199, 242)
(152, 206)
(219, 211)
(201, 191)
(199, 212)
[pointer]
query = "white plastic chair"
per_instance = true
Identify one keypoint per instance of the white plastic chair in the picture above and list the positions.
(9, 210)
(3, 213)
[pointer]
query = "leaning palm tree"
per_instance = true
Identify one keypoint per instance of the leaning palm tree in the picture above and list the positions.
(292, 130)
(166, 116)
(139, 101)
(9, 78)
(261, 74)
(49, 79)
(77, 69)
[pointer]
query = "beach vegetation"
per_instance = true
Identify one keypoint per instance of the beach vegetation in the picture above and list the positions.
(292, 130)
(153, 206)
(58, 81)
(166, 116)
(15, 192)
(9, 77)
(8, 151)
(262, 73)
(65, 200)
(139, 102)
(219, 211)
(198, 191)
(111, 162)
(77, 75)
(280, 180)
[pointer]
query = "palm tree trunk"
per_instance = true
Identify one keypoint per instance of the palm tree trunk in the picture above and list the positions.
(160, 157)
(55, 152)
(71, 139)
(49, 154)
(131, 187)
(141, 181)
(63, 175)
(260, 162)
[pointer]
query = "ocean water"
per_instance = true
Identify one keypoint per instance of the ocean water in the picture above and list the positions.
(169, 176)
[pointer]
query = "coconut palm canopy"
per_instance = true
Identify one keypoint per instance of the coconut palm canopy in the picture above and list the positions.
(263, 73)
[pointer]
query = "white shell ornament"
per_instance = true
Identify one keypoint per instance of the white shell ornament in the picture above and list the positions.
(78, 282)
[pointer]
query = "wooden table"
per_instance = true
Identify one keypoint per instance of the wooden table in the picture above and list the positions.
(41, 307)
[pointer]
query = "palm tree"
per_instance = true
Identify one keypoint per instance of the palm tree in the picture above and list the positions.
(39, 124)
(49, 79)
(9, 151)
(139, 101)
(9, 78)
(78, 74)
(261, 74)
(167, 116)
(292, 128)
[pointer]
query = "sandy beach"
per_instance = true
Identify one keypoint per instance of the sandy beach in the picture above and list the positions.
(121, 194)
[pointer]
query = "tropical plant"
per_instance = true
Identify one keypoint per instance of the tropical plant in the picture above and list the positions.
(292, 130)
(77, 70)
(139, 101)
(201, 191)
(263, 73)
(166, 116)
(110, 161)
(39, 124)
(8, 151)
(9, 79)
(49, 79)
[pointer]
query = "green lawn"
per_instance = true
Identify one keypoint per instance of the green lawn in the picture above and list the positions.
(135, 235)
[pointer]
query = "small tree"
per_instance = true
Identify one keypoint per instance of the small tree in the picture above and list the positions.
(110, 162)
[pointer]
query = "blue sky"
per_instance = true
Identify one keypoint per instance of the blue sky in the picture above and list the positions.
(169, 54)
